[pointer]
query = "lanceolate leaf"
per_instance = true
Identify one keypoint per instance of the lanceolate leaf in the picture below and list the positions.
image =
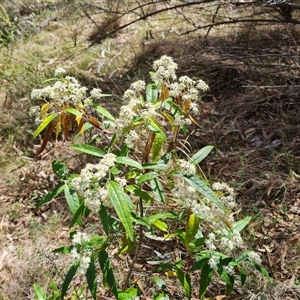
(71, 273)
(185, 280)
(104, 112)
(92, 278)
(202, 188)
(154, 126)
(51, 195)
(158, 190)
(44, 124)
(206, 274)
(146, 177)
(241, 224)
(108, 275)
(123, 205)
(74, 111)
(88, 149)
(128, 161)
(77, 218)
(200, 155)
(156, 147)
(72, 199)
(151, 93)
(192, 228)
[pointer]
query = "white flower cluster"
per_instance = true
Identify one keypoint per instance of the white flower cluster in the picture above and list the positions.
(89, 184)
(254, 257)
(213, 218)
(181, 120)
(164, 69)
(187, 86)
(59, 72)
(64, 91)
(186, 167)
(84, 256)
(225, 193)
(131, 138)
(96, 93)
(35, 112)
(134, 108)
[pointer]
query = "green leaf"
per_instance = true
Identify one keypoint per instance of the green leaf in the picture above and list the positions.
(205, 279)
(243, 275)
(154, 126)
(261, 269)
(71, 273)
(185, 280)
(200, 155)
(161, 216)
(166, 157)
(44, 124)
(124, 160)
(158, 190)
(60, 169)
(91, 277)
(151, 93)
(88, 149)
(74, 111)
(108, 275)
(104, 112)
(157, 146)
(242, 257)
(51, 195)
(159, 282)
(228, 279)
(200, 242)
(160, 225)
(192, 228)
(241, 224)
(142, 221)
(195, 182)
(198, 265)
(63, 250)
(39, 292)
(72, 199)
(136, 190)
(123, 205)
(77, 218)
(106, 220)
(156, 166)
(147, 176)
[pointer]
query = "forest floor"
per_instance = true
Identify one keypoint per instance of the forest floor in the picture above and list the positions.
(251, 116)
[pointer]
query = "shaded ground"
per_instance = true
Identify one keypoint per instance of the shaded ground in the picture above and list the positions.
(251, 116)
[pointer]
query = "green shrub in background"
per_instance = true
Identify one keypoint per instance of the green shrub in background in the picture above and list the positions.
(8, 28)
(138, 168)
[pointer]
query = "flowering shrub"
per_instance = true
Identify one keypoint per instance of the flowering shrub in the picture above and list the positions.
(138, 167)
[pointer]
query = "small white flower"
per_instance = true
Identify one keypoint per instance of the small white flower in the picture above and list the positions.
(138, 86)
(59, 72)
(213, 262)
(84, 264)
(96, 93)
(181, 120)
(229, 270)
(254, 257)
(201, 85)
(79, 238)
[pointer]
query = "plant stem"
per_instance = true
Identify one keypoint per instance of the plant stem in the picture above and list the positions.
(138, 247)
